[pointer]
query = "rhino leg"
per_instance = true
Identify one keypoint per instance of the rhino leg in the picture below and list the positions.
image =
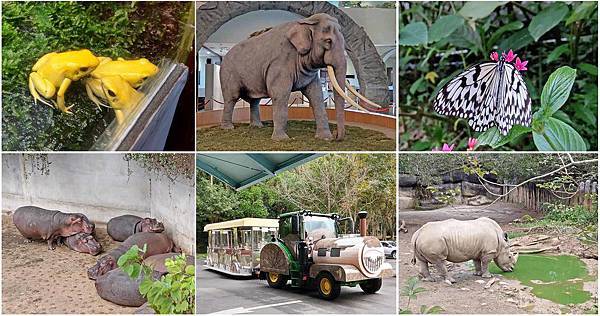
(424, 271)
(441, 267)
(477, 264)
(485, 261)
(51, 244)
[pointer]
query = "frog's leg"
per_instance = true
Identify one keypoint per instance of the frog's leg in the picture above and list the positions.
(104, 60)
(93, 87)
(60, 96)
(41, 85)
(42, 61)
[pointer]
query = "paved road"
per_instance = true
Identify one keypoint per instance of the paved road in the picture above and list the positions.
(217, 293)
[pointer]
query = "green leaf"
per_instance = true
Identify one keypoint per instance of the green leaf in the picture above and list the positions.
(557, 89)
(190, 270)
(431, 310)
(512, 26)
(418, 85)
(479, 9)
(589, 68)
(516, 41)
(413, 34)
(492, 137)
(582, 11)
(558, 136)
(444, 26)
(557, 52)
(547, 19)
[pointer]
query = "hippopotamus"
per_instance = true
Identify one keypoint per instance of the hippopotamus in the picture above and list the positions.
(481, 240)
(157, 262)
(36, 223)
(82, 242)
(157, 243)
(121, 227)
(117, 287)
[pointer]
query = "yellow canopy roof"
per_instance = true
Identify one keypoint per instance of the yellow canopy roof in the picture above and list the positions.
(243, 222)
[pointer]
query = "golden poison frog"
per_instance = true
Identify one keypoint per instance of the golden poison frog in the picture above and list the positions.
(53, 73)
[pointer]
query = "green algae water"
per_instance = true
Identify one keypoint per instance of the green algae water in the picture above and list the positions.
(555, 278)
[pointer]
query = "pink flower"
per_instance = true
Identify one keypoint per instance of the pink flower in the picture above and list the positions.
(494, 56)
(509, 57)
(471, 144)
(447, 148)
(521, 65)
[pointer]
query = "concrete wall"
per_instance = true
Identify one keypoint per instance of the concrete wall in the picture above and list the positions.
(101, 186)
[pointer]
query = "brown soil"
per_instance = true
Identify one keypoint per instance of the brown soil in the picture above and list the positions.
(302, 137)
(468, 295)
(38, 280)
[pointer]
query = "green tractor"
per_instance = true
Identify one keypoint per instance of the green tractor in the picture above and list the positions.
(311, 253)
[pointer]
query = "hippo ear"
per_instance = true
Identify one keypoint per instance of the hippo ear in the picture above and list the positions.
(300, 35)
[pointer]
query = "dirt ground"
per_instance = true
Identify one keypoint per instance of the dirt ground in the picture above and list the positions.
(302, 137)
(468, 295)
(38, 280)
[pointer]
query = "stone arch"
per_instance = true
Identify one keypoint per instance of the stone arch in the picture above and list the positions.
(370, 69)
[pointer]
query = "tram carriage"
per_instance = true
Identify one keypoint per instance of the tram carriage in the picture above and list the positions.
(234, 246)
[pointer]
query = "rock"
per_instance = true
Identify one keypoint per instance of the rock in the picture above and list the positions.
(407, 180)
(448, 282)
(478, 200)
(406, 203)
(483, 304)
(490, 283)
(480, 281)
(464, 289)
(503, 283)
(510, 300)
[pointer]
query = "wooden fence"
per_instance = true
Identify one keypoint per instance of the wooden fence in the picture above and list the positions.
(533, 198)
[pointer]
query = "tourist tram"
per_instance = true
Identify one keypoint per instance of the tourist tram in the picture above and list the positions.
(234, 246)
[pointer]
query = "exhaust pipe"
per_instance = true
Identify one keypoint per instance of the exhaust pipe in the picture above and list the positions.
(362, 217)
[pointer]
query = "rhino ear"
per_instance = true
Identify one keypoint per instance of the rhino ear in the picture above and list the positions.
(505, 236)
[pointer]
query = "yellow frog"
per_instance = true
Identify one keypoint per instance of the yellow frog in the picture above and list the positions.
(117, 91)
(56, 71)
(121, 95)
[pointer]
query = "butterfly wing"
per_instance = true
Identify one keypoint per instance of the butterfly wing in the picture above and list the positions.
(473, 95)
(516, 108)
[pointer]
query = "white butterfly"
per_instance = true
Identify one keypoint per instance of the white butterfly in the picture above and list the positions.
(488, 94)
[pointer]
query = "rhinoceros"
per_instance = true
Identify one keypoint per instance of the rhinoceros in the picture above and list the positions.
(481, 240)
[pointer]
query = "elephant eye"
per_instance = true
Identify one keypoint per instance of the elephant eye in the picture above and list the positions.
(112, 93)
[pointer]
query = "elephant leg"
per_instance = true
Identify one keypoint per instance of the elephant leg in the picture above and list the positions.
(280, 117)
(477, 264)
(315, 97)
(485, 261)
(230, 97)
(255, 113)
(441, 267)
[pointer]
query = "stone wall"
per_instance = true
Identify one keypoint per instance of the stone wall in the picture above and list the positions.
(453, 188)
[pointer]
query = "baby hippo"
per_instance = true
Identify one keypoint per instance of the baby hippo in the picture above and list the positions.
(121, 227)
(36, 223)
(481, 240)
(82, 242)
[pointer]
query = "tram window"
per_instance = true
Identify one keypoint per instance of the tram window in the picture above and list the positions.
(285, 227)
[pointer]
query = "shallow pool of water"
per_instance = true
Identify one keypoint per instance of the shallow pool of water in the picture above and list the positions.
(556, 278)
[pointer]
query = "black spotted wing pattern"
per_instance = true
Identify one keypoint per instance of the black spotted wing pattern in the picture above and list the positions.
(475, 95)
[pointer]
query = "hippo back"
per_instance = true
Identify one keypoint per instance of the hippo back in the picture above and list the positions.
(116, 286)
(121, 227)
(157, 262)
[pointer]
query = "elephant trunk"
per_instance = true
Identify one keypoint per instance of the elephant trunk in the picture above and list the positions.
(338, 78)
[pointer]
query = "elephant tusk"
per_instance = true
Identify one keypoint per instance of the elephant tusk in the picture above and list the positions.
(362, 97)
(339, 90)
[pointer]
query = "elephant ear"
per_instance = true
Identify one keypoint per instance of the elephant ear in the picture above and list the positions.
(300, 35)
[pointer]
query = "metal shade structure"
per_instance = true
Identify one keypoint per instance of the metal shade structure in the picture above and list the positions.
(243, 170)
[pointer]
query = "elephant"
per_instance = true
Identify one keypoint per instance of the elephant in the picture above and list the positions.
(285, 58)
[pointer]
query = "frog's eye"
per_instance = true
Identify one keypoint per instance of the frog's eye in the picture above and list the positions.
(112, 93)
(84, 69)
